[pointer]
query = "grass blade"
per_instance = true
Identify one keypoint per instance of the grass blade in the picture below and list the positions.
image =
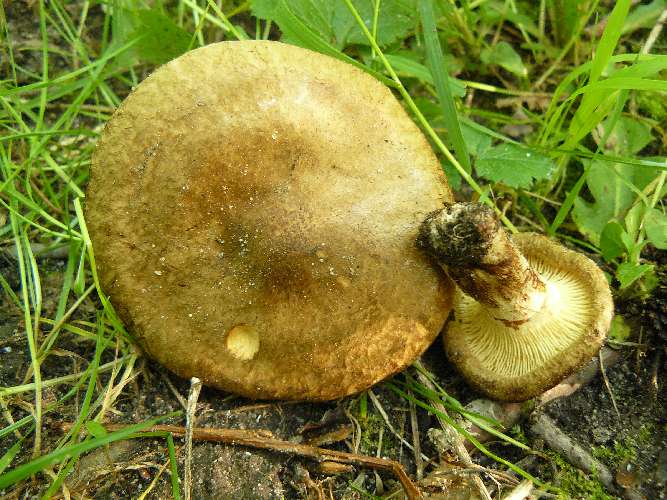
(437, 65)
(173, 463)
(9, 455)
(464, 433)
(34, 466)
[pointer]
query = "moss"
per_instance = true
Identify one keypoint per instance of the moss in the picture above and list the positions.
(574, 483)
(371, 426)
(617, 454)
(626, 450)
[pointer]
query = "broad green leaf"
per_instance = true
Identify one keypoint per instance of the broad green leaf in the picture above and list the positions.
(317, 15)
(611, 187)
(160, 38)
(506, 57)
(614, 186)
(513, 165)
(498, 11)
(334, 23)
(611, 241)
(405, 66)
(629, 272)
(655, 225)
(628, 136)
(397, 19)
(297, 32)
(477, 142)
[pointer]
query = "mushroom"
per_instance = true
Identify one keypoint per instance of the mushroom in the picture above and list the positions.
(253, 207)
(528, 311)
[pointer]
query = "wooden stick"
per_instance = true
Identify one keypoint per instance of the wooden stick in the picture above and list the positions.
(557, 440)
(193, 396)
(264, 440)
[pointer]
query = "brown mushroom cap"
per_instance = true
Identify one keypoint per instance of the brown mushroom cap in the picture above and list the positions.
(253, 208)
(516, 362)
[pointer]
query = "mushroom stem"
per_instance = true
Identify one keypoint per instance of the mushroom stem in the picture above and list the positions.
(468, 241)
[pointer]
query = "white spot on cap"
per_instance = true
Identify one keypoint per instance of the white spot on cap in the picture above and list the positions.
(242, 342)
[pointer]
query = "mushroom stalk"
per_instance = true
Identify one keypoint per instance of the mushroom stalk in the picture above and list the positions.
(468, 241)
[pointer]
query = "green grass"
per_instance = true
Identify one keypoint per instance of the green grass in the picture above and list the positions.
(579, 97)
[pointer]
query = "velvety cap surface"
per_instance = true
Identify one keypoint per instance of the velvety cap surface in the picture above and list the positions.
(253, 207)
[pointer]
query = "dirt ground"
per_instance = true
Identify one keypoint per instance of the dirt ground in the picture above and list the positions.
(631, 441)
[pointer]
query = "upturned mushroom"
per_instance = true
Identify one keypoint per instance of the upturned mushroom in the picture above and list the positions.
(528, 311)
(253, 208)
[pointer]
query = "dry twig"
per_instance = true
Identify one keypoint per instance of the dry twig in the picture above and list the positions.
(264, 440)
(414, 425)
(523, 490)
(557, 440)
(193, 396)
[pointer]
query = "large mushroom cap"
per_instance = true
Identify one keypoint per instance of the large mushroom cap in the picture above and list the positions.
(253, 208)
(514, 362)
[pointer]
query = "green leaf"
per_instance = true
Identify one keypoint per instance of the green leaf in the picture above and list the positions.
(160, 38)
(498, 12)
(299, 33)
(619, 330)
(611, 241)
(48, 460)
(405, 66)
(611, 185)
(476, 141)
(437, 67)
(513, 165)
(96, 429)
(566, 18)
(334, 23)
(506, 57)
(629, 272)
(597, 102)
(633, 220)
(628, 136)
(655, 225)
